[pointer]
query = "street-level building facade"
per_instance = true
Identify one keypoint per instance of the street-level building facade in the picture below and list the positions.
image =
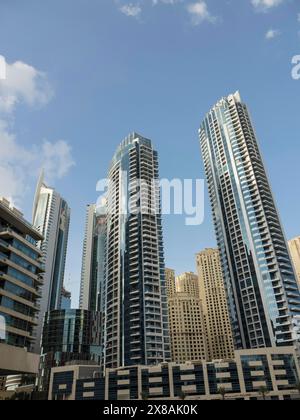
(275, 370)
(68, 336)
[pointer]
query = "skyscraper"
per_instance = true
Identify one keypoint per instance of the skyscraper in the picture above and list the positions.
(215, 309)
(135, 292)
(93, 271)
(170, 282)
(186, 321)
(51, 216)
(93, 258)
(294, 245)
(263, 294)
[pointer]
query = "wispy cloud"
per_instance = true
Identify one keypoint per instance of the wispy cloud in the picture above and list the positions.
(272, 33)
(131, 10)
(155, 2)
(265, 5)
(199, 13)
(19, 164)
(23, 84)
(135, 9)
(198, 10)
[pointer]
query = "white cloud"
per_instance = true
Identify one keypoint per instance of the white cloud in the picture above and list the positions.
(272, 33)
(265, 5)
(19, 164)
(198, 10)
(131, 10)
(23, 84)
(298, 17)
(166, 1)
(200, 13)
(56, 158)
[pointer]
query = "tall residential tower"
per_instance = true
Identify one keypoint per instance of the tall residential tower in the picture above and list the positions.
(263, 294)
(93, 259)
(51, 217)
(215, 309)
(170, 282)
(135, 292)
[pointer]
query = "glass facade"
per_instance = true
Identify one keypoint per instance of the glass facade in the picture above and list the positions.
(93, 259)
(68, 335)
(263, 295)
(256, 367)
(66, 300)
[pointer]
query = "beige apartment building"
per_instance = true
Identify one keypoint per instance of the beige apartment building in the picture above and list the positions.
(187, 330)
(214, 302)
(170, 282)
(188, 283)
(294, 246)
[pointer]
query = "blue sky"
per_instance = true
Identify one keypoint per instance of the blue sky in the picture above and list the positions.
(82, 74)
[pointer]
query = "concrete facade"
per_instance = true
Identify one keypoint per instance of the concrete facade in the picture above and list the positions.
(170, 282)
(15, 360)
(275, 369)
(215, 309)
(294, 246)
(186, 321)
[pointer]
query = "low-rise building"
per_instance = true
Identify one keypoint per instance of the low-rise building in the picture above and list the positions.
(274, 370)
(68, 335)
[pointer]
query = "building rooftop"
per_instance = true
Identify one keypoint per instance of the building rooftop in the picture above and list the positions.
(15, 218)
